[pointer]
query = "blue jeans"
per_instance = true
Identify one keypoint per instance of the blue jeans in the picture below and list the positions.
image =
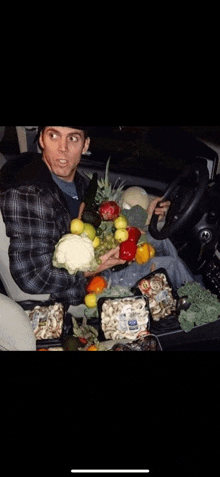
(166, 257)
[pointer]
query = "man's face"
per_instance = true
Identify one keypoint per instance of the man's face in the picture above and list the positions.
(62, 150)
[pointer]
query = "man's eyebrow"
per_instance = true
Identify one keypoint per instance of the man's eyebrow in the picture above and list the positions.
(74, 133)
(53, 130)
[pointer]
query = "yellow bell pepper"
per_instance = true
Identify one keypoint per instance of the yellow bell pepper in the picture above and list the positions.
(145, 252)
(152, 251)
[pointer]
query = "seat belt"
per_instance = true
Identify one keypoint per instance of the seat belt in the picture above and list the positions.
(22, 139)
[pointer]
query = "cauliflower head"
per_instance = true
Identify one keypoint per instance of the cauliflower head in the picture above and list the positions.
(75, 253)
(135, 196)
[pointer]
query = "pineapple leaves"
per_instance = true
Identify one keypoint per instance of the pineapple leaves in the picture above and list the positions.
(107, 173)
(105, 190)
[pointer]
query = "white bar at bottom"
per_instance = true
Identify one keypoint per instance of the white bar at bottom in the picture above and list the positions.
(110, 471)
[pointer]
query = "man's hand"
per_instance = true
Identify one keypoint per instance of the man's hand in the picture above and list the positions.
(161, 211)
(109, 260)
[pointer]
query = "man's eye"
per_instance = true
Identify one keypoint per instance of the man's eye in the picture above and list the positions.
(73, 139)
(53, 135)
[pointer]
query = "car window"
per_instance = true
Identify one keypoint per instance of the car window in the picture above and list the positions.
(206, 133)
(153, 152)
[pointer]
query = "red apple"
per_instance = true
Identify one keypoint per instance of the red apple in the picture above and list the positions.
(109, 210)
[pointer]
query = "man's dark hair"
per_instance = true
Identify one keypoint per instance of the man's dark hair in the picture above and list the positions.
(85, 129)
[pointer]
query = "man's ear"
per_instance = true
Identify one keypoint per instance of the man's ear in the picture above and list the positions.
(41, 140)
(86, 145)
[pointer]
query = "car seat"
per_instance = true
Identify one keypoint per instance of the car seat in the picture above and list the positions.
(16, 333)
(2, 160)
(11, 288)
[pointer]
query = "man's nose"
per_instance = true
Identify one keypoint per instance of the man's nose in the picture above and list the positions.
(63, 144)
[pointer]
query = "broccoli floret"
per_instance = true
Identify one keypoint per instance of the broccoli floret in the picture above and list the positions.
(136, 216)
(204, 306)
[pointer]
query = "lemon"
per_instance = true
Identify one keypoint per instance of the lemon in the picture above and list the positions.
(90, 231)
(96, 242)
(90, 300)
(77, 226)
(121, 222)
(121, 235)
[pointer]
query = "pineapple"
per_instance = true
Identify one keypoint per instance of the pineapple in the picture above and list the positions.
(107, 191)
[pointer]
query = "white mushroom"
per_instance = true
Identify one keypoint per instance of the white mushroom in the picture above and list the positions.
(47, 322)
(115, 326)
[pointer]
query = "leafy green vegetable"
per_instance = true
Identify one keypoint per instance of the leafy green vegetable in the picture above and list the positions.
(85, 331)
(204, 308)
(136, 216)
(105, 228)
(89, 334)
(116, 291)
(187, 320)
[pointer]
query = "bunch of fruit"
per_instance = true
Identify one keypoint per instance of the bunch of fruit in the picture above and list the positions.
(114, 228)
(79, 227)
(105, 239)
(120, 233)
(108, 228)
(113, 231)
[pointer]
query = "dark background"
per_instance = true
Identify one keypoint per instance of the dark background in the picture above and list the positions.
(109, 411)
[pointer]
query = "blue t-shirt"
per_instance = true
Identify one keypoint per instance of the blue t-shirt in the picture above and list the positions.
(70, 194)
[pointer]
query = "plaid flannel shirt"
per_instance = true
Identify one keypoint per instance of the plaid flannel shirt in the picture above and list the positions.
(36, 217)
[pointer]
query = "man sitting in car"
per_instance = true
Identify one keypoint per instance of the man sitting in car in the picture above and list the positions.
(40, 195)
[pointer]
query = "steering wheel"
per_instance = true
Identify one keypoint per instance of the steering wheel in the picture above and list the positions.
(184, 193)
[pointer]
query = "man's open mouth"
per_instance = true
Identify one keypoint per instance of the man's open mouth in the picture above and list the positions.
(62, 162)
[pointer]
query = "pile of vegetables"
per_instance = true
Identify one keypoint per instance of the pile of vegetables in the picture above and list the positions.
(123, 227)
(204, 307)
(108, 226)
(119, 218)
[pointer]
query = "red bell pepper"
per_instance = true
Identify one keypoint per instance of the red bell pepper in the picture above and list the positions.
(128, 250)
(134, 234)
(83, 340)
